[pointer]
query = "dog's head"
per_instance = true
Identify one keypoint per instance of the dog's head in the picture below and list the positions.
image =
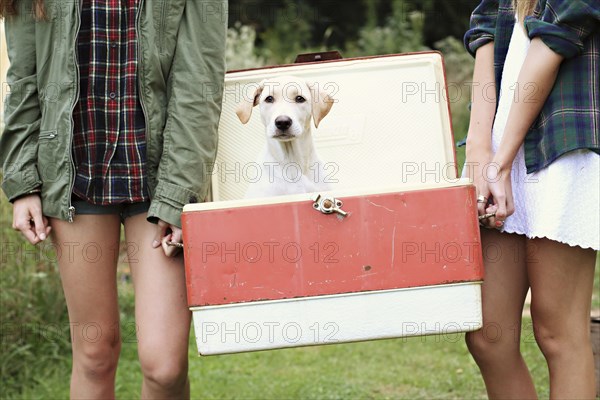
(286, 106)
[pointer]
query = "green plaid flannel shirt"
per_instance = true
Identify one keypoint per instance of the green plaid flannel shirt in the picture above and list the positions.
(570, 118)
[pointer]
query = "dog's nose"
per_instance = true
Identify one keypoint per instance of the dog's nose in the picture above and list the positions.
(283, 122)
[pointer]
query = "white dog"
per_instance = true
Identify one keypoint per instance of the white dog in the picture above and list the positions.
(289, 163)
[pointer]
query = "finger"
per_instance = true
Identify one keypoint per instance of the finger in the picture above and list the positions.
(499, 194)
(31, 236)
(169, 250)
(38, 224)
(490, 222)
(47, 227)
(482, 206)
(163, 242)
(501, 203)
(161, 231)
(176, 237)
(510, 202)
(27, 230)
(22, 223)
(501, 214)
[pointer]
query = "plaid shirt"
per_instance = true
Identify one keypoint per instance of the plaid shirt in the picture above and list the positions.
(109, 138)
(570, 118)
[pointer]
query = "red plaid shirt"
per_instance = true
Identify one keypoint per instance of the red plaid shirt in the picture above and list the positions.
(109, 138)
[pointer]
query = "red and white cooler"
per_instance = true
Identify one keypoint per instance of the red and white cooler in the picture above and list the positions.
(392, 250)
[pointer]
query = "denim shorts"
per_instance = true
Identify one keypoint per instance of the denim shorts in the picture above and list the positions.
(124, 210)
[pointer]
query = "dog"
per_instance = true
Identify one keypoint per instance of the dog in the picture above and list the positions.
(289, 163)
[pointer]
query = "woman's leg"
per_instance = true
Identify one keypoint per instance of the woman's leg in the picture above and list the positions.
(496, 347)
(87, 262)
(561, 279)
(161, 313)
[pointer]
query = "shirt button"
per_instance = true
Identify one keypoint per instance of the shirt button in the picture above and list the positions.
(113, 45)
(112, 95)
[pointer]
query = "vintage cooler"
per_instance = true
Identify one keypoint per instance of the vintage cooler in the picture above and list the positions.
(392, 250)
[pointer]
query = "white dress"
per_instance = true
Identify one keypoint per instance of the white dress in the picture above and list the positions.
(562, 201)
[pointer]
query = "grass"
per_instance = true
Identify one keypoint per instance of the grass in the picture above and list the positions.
(429, 367)
(34, 323)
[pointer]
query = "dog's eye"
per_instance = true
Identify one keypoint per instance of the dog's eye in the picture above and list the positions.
(269, 99)
(300, 99)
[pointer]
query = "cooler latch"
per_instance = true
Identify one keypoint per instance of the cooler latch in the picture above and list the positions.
(329, 205)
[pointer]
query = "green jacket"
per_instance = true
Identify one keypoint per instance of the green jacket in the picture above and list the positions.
(180, 76)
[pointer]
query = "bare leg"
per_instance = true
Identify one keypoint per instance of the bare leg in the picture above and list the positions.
(496, 347)
(87, 262)
(561, 280)
(161, 313)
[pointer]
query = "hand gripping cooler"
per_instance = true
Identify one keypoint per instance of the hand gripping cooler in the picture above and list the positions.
(392, 250)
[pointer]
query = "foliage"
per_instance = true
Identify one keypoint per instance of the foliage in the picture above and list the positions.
(34, 325)
(290, 34)
(445, 18)
(241, 52)
(459, 72)
(401, 33)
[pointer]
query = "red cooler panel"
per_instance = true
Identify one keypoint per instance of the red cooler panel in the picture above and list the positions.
(290, 250)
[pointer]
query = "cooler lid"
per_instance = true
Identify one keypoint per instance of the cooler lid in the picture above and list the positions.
(310, 197)
(390, 124)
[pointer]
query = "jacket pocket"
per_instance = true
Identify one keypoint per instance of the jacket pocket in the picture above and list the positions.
(47, 157)
(160, 21)
(47, 135)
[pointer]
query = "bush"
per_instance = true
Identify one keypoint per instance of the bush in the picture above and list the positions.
(290, 34)
(459, 73)
(241, 51)
(401, 33)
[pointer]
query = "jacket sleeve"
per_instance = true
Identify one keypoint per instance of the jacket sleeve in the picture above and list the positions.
(565, 24)
(195, 90)
(483, 26)
(22, 115)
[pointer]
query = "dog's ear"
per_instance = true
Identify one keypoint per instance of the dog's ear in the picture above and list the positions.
(244, 109)
(321, 104)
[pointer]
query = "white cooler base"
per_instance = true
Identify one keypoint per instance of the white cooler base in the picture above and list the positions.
(352, 317)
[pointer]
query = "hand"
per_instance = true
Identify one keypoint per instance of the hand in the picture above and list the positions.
(28, 218)
(167, 233)
(500, 186)
(478, 161)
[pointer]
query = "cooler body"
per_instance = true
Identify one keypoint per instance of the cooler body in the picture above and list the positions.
(264, 274)
(392, 249)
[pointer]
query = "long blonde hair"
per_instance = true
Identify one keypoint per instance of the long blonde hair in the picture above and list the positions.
(9, 7)
(524, 8)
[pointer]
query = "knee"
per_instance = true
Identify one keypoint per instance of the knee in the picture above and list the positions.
(97, 361)
(168, 375)
(556, 342)
(491, 343)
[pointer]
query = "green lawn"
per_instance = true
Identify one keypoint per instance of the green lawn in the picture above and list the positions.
(428, 367)
(433, 367)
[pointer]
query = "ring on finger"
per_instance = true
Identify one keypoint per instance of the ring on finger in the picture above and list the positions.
(482, 199)
(175, 244)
